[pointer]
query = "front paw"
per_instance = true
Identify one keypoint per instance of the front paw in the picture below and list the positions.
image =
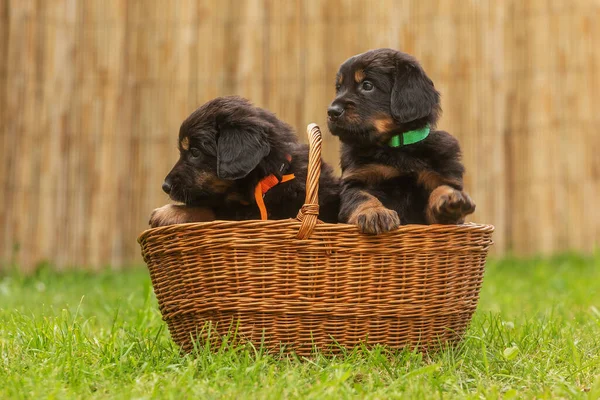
(449, 206)
(172, 214)
(375, 220)
(165, 215)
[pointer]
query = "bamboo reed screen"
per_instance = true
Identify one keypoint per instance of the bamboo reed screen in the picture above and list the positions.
(92, 94)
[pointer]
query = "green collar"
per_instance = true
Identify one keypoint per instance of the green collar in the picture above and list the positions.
(409, 137)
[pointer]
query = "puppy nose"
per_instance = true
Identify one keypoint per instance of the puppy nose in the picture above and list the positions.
(166, 187)
(335, 111)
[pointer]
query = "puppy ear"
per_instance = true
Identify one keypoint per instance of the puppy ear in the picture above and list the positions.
(239, 150)
(413, 94)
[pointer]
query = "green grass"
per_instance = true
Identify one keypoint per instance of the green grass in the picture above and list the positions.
(77, 335)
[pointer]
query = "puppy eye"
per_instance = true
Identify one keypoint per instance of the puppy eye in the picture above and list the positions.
(337, 87)
(195, 152)
(367, 86)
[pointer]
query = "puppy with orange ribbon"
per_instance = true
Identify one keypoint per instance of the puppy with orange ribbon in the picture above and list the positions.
(240, 162)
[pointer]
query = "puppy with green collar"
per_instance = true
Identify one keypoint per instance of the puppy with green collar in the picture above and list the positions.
(396, 167)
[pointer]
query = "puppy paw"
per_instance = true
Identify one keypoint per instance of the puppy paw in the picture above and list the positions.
(449, 206)
(375, 220)
(163, 216)
(172, 214)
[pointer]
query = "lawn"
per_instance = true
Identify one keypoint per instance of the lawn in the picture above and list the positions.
(77, 335)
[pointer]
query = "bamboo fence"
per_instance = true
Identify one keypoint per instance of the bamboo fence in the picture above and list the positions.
(92, 94)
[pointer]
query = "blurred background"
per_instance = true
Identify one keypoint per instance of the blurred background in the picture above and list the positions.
(92, 94)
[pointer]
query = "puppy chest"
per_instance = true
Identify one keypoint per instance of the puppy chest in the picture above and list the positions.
(405, 196)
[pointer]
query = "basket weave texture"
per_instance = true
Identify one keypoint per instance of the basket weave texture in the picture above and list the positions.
(306, 284)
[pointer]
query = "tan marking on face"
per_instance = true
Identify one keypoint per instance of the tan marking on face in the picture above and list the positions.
(431, 180)
(212, 182)
(351, 117)
(371, 174)
(359, 75)
(218, 185)
(185, 143)
(384, 124)
(201, 178)
(339, 79)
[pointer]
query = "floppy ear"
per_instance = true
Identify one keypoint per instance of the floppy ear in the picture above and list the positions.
(239, 150)
(413, 94)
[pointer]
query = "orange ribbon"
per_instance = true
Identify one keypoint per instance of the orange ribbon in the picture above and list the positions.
(263, 187)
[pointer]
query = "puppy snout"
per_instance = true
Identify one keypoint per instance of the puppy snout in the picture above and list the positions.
(335, 111)
(166, 186)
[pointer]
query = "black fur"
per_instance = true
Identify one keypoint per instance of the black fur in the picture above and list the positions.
(413, 95)
(226, 147)
(384, 93)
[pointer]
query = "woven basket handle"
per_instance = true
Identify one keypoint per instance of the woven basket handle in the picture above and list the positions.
(309, 213)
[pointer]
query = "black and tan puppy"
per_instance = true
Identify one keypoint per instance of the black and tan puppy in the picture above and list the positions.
(240, 162)
(396, 168)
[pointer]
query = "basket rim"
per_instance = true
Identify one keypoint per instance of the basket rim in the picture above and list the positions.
(307, 219)
(273, 224)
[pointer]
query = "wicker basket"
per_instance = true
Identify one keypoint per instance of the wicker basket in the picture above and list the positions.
(312, 285)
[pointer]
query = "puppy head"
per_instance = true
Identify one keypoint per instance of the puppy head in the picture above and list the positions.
(379, 94)
(223, 144)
